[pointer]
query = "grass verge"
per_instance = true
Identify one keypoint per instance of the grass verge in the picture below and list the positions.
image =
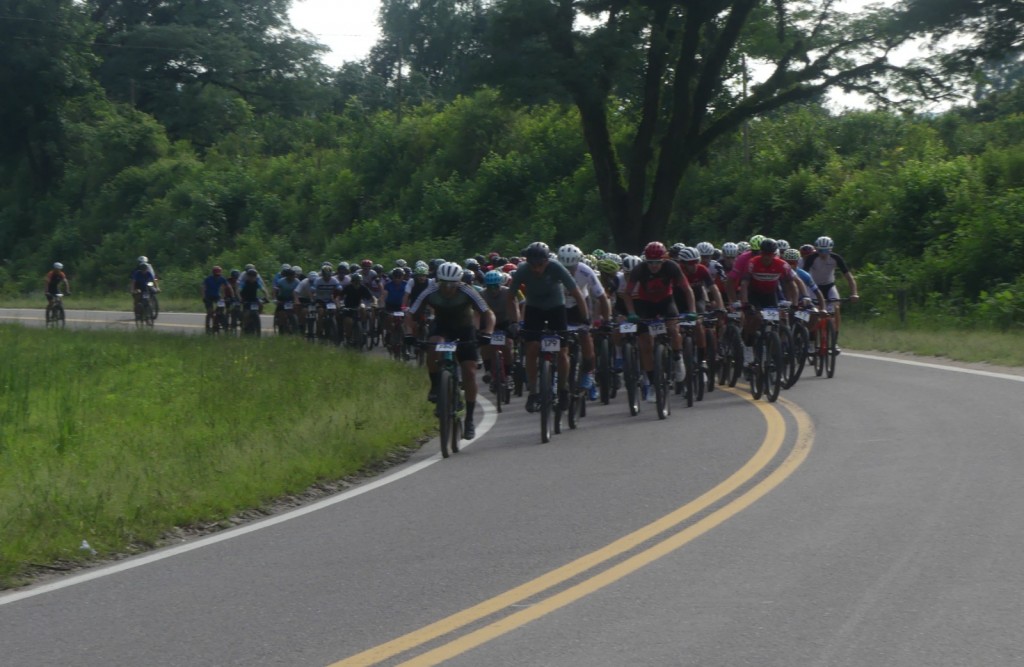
(1002, 348)
(116, 438)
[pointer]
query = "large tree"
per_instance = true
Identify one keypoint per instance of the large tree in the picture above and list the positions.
(683, 73)
(189, 63)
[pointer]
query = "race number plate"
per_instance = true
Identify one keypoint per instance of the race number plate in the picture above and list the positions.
(498, 338)
(446, 347)
(399, 314)
(220, 304)
(627, 327)
(551, 344)
(657, 328)
(254, 306)
(288, 305)
(331, 305)
(770, 314)
(803, 315)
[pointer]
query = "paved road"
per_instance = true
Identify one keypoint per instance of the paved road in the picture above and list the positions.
(871, 519)
(118, 320)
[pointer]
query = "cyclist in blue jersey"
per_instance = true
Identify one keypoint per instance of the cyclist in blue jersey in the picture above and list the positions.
(808, 289)
(215, 288)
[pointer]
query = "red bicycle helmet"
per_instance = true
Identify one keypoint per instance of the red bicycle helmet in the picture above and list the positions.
(655, 250)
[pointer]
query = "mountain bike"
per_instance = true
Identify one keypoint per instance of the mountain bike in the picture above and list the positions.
(801, 341)
(217, 321)
(451, 398)
(499, 370)
(286, 321)
(691, 386)
(664, 366)
(251, 324)
(145, 314)
(630, 366)
(551, 408)
(730, 351)
(767, 372)
(577, 407)
(55, 311)
(605, 364)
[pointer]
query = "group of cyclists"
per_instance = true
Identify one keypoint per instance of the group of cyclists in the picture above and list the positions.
(530, 296)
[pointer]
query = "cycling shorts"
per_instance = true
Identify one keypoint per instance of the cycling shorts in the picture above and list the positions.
(536, 320)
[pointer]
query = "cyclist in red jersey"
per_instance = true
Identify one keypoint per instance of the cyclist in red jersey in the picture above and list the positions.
(649, 294)
(764, 273)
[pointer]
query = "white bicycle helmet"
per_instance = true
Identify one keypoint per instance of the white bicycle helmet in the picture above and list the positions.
(783, 244)
(143, 259)
(58, 266)
(689, 255)
(630, 262)
(730, 250)
(705, 249)
(743, 246)
(449, 272)
(824, 243)
(569, 255)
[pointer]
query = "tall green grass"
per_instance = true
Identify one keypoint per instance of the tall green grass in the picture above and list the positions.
(1003, 348)
(116, 437)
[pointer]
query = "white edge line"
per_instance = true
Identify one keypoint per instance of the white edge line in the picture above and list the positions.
(486, 424)
(955, 369)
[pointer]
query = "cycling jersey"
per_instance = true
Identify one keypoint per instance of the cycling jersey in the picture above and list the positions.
(497, 300)
(213, 287)
(286, 289)
(547, 289)
(588, 282)
(765, 277)
(249, 290)
(141, 278)
(394, 290)
(373, 282)
(353, 295)
(324, 289)
(451, 312)
(807, 280)
(305, 289)
(646, 285)
(822, 267)
(54, 279)
(739, 267)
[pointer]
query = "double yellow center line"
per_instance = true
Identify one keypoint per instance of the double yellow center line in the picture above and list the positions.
(770, 447)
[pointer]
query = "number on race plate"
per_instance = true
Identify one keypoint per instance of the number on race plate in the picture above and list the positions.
(254, 306)
(657, 328)
(288, 305)
(331, 305)
(498, 338)
(446, 347)
(803, 315)
(398, 314)
(770, 314)
(551, 344)
(627, 327)
(220, 304)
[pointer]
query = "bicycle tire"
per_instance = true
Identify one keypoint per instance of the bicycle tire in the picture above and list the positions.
(631, 377)
(147, 314)
(774, 367)
(689, 363)
(498, 383)
(544, 388)
(444, 409)
(458, 412)
(574, 386)
(831, 352)
(736, 351)
(59, 317)
(699, 379)
(710, 358)
(604, 370)
(757, 370)
(800, 342)
(788, 356)
(662, 372)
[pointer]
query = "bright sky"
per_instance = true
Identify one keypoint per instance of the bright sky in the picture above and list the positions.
(348, 27)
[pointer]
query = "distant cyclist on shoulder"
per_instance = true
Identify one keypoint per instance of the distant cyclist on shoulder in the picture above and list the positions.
(215, 288)
(54, 280)
(822, 265)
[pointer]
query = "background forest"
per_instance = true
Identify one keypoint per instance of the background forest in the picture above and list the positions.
(209, 132)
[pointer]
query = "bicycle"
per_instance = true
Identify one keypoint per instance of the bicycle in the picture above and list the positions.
(451, 398)
(766, 376)
(145, 315)
(286, 321)
(577, 407)
(630, 366)
(234, 316)
(801, 336)
(357, 339)
(217, 321)
(499, 375)
(664, 366)
(730, 351)
(605, 371)
(55, 312)
(394, 339)
(547, 390)
(692, 383)
(325, 323)
(251, 324)
(708, 357)
(823, 342)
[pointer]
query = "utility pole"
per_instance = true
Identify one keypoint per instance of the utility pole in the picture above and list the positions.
(398, 82)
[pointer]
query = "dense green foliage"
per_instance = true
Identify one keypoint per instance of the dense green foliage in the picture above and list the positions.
(197, 135)
(116, 438)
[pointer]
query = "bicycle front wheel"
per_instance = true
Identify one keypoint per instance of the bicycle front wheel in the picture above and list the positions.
(631, 377)
(831, 351)
(544, 380)
(774, 370)
(662, 375)
(445, 409)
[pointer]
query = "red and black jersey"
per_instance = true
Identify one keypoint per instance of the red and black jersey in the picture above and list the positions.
(765, 278)
(646, 285)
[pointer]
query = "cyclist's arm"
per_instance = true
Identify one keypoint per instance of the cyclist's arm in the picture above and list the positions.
(852, 282)
(487, 321)
(684, 285)
(581, 301)
(716, 297)
(604, 304)
(744, 288)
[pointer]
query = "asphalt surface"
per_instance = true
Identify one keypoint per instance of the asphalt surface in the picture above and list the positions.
(870, 519)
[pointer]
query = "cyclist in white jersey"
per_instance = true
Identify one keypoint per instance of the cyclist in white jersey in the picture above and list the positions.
(822, 265)
(591, 288)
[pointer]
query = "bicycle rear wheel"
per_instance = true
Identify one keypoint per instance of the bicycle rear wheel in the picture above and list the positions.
(710, 358)
(498, 384)
(689, 365)
(757, 370)
(604, 369)
(800, 342)
(59, 317)
(574, 387)
(788, 356)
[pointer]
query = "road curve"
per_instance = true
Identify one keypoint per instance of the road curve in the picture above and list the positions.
(867, 519)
